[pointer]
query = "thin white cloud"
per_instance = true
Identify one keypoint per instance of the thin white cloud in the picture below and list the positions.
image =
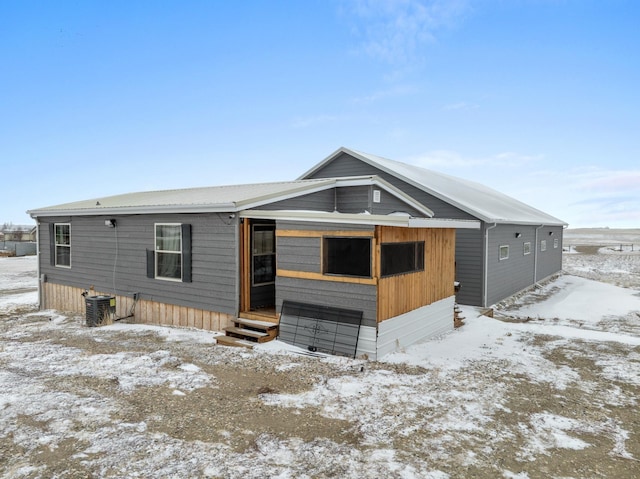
(394, 31)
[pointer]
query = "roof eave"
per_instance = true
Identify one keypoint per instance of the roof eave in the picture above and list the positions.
(135, 210)
(359, 219)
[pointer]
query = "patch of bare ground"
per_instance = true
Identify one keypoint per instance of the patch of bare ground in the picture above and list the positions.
(584, 427)
(230, 413)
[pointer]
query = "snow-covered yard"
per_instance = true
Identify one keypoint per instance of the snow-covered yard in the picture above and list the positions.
(548, 388)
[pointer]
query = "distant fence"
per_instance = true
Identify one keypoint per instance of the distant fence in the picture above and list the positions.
(18, 248)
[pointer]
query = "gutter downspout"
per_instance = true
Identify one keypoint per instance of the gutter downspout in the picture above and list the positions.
(535, 257)
(486, 264)
(40, 281)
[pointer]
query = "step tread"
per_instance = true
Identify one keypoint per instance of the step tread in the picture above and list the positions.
(246, 332)
(256, 323)
(231, 341)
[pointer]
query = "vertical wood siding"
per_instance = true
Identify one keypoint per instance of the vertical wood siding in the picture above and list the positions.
(69, 299)
(402, 293)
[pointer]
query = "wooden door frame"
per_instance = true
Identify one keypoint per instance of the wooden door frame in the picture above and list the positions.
(245, 265)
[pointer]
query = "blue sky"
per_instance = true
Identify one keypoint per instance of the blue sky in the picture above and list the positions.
(536, 98)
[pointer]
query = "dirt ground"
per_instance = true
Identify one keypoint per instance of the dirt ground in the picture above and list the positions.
(229, 417)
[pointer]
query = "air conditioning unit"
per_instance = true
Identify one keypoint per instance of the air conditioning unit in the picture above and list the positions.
(99, 309)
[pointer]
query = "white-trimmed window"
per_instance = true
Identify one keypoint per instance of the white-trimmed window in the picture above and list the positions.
(526, 248)
(62, 233)
(504, 252)
(543, 245)
(170, 258)
(555, 243)
(168, 251)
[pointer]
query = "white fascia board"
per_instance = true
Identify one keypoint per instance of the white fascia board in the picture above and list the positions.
(313, 187)
(317, 166)
(400, 221)
(326, 217)
(444, 223)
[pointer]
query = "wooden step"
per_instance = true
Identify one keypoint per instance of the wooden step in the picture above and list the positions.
(248, 333)
(231, 341)
(256, 324)
(267, 316)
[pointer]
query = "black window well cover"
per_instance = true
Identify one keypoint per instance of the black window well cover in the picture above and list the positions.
(320, 328)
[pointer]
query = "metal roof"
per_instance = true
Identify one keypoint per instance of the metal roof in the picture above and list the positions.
(474, 198)
(230, 198)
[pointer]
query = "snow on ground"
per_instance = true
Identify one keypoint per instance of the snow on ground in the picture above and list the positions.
(547, 389)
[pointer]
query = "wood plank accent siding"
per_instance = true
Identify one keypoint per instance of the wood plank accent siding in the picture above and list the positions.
(69, 299)
(324, 277)
(406, 292)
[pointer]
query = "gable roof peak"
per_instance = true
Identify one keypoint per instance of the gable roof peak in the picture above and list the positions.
(472, 197)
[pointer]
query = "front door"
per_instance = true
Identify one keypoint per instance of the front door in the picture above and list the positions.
(260, 265)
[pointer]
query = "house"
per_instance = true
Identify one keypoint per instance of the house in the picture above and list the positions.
(351, 265)
(17, 233)
(515, 247)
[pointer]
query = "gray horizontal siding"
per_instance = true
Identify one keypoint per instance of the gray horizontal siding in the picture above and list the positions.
(299, 254)
(349, 199)
(516, 273)
(319, 201)
(354, 199)
(508, 276)
(328, 293)
(469, 266)
(549, 261)
(97, 251)
(346, 165)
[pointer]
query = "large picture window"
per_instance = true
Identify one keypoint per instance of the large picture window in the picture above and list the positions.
(347, 256)
(63, 245)
(401, 258)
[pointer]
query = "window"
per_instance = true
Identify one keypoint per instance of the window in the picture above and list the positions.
(400, 258)
(168, 252)
(504, 252)
(543, 245)
(63, 244)
(347, 256)
(171, 256)
(555, 243)
(526, 248)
